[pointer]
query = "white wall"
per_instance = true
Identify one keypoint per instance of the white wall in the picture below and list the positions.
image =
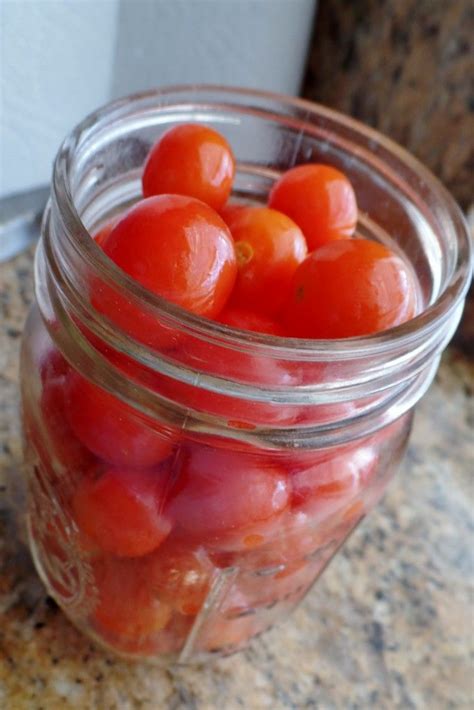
(253, 43)
(56, 62)
(60, 59)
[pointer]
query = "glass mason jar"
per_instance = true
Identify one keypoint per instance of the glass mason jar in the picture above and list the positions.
(188, 482)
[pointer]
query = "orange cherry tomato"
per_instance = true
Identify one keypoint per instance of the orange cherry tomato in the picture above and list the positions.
(120, 511)
(320, 199)
(350, 288)
(269, 247)
(191, 160)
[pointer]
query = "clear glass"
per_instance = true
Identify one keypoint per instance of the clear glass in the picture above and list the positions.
(233, 465)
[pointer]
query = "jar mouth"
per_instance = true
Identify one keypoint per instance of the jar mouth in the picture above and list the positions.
(401, 338)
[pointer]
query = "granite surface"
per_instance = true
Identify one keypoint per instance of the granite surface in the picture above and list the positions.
(389, 625)
(407, 69)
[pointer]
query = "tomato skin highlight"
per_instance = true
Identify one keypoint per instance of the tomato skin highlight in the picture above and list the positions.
(222, 494)
(120, 511)
(349, 288)
(269, 247)
(192, 160)
(320, 199)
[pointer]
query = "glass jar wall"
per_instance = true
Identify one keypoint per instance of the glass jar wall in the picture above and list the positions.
(189, 482)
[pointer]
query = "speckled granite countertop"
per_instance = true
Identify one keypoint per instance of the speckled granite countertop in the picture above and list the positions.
(390, 624)
(403, 67)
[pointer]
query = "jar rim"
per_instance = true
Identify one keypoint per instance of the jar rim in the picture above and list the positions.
(398, 338)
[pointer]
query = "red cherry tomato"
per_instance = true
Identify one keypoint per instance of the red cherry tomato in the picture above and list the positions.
(328, 486)
(125, 608)
(269, 247)
(321, 201)
(120, 511)
(350, 288)
(249, 320)
(190, 160)
(221, 494)
(178, 248)
(179, 575)
(109, 428)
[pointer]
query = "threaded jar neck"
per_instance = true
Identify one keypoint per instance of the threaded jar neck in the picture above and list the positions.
(97, 174)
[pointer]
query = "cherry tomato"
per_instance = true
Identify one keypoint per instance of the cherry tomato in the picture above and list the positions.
(321, 201)
(292, 538)
(190, 160)
(179, 575)
(230, 211)
(350, 288)
(328, 486)
(249, 320)
(178, 248)
(220, 493)
(109, 428)
(125, 608)
(121, 511)
(56, 440)
(269, 247)
(232, 364)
